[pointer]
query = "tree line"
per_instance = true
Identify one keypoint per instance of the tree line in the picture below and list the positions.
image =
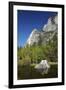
(34, 54)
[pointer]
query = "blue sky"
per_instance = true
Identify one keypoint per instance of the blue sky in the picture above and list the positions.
(27, 21)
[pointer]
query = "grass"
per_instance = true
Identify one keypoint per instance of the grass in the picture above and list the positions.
(29, 72)
(53, 63)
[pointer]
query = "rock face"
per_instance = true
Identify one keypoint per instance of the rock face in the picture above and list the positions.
(51, 24)
(34, 37)
(48, 31)
(43, 67)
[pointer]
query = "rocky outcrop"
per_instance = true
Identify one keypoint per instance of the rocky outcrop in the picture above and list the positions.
(47, 33)
(34, 37)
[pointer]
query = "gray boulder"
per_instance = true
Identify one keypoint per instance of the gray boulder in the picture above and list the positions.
(43, 67)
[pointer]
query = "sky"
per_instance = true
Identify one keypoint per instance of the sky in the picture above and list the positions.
(29, 20)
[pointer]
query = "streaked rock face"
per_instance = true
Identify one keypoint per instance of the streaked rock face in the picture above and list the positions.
(48, 31)
(56, 19)
(34, 37)
(51, 24)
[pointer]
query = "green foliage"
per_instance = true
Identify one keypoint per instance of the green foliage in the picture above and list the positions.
(36, 53)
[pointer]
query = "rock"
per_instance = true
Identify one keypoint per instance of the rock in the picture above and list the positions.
(43, 64)
(51, 24)
(42, 37)
(34, 37)
(43, 67)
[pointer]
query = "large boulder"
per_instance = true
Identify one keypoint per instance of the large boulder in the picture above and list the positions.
(43, 67)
